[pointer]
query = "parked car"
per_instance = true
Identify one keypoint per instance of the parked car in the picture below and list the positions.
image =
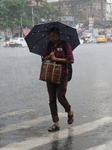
(101, 39)
(17, 42)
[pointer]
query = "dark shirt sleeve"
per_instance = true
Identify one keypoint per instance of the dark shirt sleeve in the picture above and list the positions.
(69, 54)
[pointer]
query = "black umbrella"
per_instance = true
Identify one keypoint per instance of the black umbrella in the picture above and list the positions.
(39, 37)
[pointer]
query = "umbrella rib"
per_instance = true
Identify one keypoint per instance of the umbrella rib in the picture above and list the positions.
(40, 39)
(66, 35)
(39, 32)
(49, 29)
(42, 31)
(64, 27)
(46, 27)
(47, 34)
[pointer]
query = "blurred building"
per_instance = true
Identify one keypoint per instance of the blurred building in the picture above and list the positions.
(109, 10)
(54, 0)
(82, 10)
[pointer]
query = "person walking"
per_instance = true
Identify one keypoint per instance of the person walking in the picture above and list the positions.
(55, 52)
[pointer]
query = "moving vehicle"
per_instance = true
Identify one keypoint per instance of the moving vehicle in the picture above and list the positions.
(90, 39)
(101, 39)
(17, 42)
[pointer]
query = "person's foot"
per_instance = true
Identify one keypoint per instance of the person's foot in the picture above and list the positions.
(70, 117)
(54, 128)
(70, 112)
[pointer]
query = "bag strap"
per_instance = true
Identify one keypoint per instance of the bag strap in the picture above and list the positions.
(69, 65)
(49, 44)
(64, 47)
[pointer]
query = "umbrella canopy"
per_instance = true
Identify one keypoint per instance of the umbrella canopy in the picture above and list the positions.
(38, 37)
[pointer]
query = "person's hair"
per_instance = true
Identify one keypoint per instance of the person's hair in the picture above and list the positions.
(54, 29)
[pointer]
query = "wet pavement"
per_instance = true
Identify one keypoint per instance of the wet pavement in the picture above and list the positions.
(24, 108)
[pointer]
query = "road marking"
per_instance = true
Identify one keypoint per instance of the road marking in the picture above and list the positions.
(30, 143)
(28, 124)
(106, 146)
(18, 112)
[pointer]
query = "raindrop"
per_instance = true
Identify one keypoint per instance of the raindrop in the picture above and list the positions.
(84, 116)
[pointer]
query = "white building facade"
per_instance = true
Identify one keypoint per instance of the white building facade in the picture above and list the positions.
(55, 0)
(109, 10)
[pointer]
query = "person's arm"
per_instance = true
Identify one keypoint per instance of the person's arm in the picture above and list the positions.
(69, 59)
(48, 56)
(63, 60)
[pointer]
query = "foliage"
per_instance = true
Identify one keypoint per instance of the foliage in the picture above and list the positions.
(15, 13)
(47, 12)
(11, 12)
(43, 12)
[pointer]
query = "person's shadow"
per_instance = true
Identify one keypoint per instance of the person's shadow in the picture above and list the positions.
(58, 143)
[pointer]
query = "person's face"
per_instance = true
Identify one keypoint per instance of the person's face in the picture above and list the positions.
(54, 37)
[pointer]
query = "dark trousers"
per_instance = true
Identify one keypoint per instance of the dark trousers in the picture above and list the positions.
(58, 91)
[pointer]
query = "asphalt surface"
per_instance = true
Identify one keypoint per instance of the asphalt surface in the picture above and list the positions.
(24, 107)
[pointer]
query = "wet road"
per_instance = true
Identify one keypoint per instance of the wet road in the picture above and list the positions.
(24, 110)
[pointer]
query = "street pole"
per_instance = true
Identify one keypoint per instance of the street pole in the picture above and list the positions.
(21, 26)
(32, 14)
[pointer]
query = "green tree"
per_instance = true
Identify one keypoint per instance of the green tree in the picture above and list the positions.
(15, 13)
(47, 12)
(11, 12)
(27, 15)
(43, 12)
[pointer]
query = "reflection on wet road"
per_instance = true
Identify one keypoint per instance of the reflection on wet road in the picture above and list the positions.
(24, 111)
(55, 141)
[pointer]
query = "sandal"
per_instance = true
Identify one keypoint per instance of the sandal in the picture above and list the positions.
(70, 119)
(54, 128)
